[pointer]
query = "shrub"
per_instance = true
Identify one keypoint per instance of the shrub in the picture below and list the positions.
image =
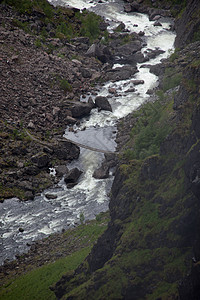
(90, 26)
(65, 85)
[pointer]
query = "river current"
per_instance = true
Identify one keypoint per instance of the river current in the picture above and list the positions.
(43, 216)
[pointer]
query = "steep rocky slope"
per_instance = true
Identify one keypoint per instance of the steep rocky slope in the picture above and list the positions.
(152, 242)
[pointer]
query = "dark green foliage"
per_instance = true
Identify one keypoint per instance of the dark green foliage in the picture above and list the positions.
(171, 79)
(64, 84)
(26, 6)
(90, 26)
(149, 131)
(64, 30)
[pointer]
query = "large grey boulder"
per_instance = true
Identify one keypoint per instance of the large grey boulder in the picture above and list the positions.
(103, 103)
(71, 178)
(80, 109)
(101, 173)
(66, 150)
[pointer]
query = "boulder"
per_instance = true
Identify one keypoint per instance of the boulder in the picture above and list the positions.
(121, 73)
(72, 176)
(31, 170)
(103, 103)
(41, 160)
(80, 109)
(137, 82)
(50, 196)
(66, 150)
(101, 52)
(86, 73)
(135, 6)
(93, 51)
(91, 102)
(127, 8)
(101, 173)
(61, 170)
(157, 24)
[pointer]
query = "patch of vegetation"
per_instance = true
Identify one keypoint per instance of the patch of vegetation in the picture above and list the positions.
(149, 132)
(38, 43)
(174, 55)
(171, 79)
(26, 6)
(22, 25)
(34, 284)
(90, 26)
(65, 85)
(10, 192)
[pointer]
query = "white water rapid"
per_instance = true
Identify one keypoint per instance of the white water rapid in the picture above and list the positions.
(43, 216)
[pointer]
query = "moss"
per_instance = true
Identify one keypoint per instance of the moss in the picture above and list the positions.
(10, 192)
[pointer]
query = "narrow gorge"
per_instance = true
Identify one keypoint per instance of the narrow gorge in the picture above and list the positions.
(151, 247)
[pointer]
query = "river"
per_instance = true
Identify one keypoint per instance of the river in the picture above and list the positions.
(43, 216)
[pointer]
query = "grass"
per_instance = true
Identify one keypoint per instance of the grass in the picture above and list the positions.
(35, 284)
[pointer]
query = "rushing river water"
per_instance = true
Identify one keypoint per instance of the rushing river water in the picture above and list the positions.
(43, 216)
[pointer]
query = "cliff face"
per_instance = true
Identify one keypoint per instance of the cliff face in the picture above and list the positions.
(153, 241)
(188, 24)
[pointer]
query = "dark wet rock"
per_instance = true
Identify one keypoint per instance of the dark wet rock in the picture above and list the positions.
(100, 51)
(130, 90)
(150, 54)
(103, 26)
(129, 53)
(50, 196)
(103, 103)
(137, 82)
(120, 27)
(127, 7)
(61, 170)
(91, 102)
(141, 33)
(66, 150)
(121, 73)
(41, 160)
(101, 173)
(157, 69)
(28, 195)
(150, 92)
(135, 6)
(71, 120)
(72, 176)
(31, 170)
(21, 229)
(157, 24)
(86, 73)
(80, 109)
